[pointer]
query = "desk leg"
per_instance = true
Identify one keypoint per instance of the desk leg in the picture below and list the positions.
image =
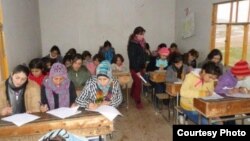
(209, 121)
(199, 119)
(100, 138)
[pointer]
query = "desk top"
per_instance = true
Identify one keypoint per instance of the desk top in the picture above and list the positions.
(86, 123)
(222, 107)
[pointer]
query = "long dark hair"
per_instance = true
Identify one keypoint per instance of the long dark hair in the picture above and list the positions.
(138, 30)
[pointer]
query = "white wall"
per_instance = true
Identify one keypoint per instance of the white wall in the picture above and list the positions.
(21, 26)
(86, 24)
(203, 13)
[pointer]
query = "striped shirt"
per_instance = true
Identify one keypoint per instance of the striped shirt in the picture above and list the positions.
(88, 94)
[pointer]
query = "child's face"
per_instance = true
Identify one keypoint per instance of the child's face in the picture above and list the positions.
(19, 79)
(96, 62)
(179, 64)
(57, 80)
(77, 65)
(36, 72)
(191, 58)
(103, 80)
(140, 37)
(216, 59)
(173, 49)
(48, 65)
(54, 54)
(208, 77)
(88, 58)
(163, 57)
(67, 64)
(118, 62)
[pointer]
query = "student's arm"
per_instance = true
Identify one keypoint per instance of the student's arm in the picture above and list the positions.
(116, 99)
(87, 94)
(171, 75)
(187, 88)
(72, 93)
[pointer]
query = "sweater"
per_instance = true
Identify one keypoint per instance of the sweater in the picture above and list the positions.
(226, 80)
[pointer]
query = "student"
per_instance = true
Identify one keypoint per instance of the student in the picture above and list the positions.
(198, 83)
(190, 57)
(152, 62)
(102, 89)
(229, 80)
(18, 94)
(173, 50)
(215, 56)
(67, 60)
(36, 71)
(86, 56)
(96, 61)
(57, 90)
(47, 63)
(71, 52)
(78, 73)
(55, 54)
(118, 63)
(107, 51)
(137, 62)
(178, 70)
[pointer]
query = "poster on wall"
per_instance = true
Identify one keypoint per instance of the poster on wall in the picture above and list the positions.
(188, 26)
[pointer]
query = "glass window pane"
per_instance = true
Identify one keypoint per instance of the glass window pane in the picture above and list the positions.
(235, 52)
(220, 38)
(243, 11)
(234, 12)
(223, 13)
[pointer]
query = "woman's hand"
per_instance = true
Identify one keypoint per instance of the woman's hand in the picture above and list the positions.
(243, 90)
(234, 91)
(6, 111)
(92, 106)
(44, 108)
(105, 103)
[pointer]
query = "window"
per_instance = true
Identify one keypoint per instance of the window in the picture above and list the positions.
(230, 31)
(3, 58)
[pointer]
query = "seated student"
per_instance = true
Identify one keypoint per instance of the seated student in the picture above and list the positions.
(215, 56)
(67, 60)
(86, 56)
(102, 89)
(198, 83)
(47, 63)
(78, 73)
(18, 94)
(61, 135)
(229, 80)
(152, 65)
(190, 57)
(57, 90)
(177, 70)
(173, 50)
(107, 51)
(36, 71)
(71, 52)
(96, 61)
(118, 63)
(55, 54)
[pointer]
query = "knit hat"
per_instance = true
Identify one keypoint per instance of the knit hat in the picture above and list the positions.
(104, 69)
(164, 51)
(241, 68)
(58, 69)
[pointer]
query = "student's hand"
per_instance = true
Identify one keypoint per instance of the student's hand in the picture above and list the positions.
(28, 112)
(44, 108)
(74, 105)
(6, 111)
(243, 90)
(105, 103)
(92, 106)
(233, 91)
(161, 68)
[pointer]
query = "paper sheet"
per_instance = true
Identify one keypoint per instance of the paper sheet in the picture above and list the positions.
(239, 95)
(21, 119)
(109, 112)
(64, 112)
(213, 96)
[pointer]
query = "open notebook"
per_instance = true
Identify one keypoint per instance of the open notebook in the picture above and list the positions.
(20, 119)
(109, 112)
(64, 112)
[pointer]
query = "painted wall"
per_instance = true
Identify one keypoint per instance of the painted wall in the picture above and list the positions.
(202, 10)
(86, 24)
(21, 26)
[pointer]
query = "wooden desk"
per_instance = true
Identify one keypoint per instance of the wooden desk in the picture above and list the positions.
(173, 89)
(158, 76)
(84, 124)
(124, 78)
(223, 107)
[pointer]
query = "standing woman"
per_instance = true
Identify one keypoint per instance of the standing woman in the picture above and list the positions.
(57, 90)
(18, 94)
(137, 61)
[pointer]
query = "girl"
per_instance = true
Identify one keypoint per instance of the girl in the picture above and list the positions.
(198, 83)
(102, 89)
(78, 73)
(57, 90)
(96, 61)
(18, 94)
(190, 57)
(118, 63)
(177, 70)
(215, 56)
(137, 61)
(67, 60)
(36, 71)
(107, 51)
(55, 54)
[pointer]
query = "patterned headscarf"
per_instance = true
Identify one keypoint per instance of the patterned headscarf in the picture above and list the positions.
(104, 69)
(57, 69)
